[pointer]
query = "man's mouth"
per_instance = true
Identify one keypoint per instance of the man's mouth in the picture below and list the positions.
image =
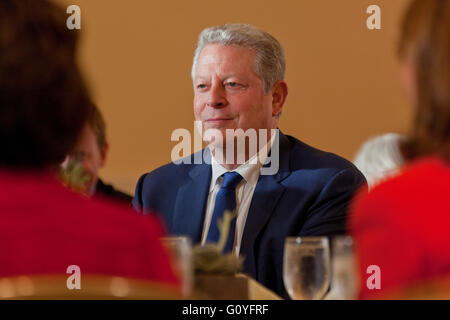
(218, 120)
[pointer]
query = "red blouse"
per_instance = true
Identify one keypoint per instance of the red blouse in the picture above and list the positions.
(44, 228)
(403, 226)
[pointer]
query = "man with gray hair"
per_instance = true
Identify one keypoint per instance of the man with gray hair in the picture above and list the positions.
(239, 92)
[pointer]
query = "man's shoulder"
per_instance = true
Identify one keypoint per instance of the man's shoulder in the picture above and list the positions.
(317, 169)
(177, 170)
(108, 190)
(304, 156)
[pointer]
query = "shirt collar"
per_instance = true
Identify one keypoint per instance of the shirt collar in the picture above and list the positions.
(249, 170)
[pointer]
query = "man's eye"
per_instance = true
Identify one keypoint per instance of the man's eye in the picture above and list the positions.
(201, 86)
(232, 84)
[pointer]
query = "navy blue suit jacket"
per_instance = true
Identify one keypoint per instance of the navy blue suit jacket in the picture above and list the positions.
(308, 196)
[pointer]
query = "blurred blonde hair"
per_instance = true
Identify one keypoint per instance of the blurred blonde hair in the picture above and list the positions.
(425, 43)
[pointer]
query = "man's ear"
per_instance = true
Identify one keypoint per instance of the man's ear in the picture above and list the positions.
(103, 153)
(279, 95)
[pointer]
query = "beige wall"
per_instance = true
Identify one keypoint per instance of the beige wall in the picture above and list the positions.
(343, 79)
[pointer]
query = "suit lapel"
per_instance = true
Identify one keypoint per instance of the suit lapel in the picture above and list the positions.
(268, 193)
(190, 205)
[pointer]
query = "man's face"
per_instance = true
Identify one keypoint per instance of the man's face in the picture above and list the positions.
(228, 94)
(92, 158)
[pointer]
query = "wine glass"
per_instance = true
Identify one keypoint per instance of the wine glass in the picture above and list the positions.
(180, 250)
(306, 267)
(344, 281)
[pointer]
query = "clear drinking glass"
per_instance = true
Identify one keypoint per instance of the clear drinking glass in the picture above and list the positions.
(180, 250)
(306, 267)
(344, 280)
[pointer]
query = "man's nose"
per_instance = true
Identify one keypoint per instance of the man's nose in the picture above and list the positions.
(216, 98)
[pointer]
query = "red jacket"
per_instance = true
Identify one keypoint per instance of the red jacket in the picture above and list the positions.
(403, 226)
(44, 228)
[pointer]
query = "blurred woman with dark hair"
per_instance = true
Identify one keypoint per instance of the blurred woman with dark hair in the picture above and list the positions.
(44, 227)
(402, 224)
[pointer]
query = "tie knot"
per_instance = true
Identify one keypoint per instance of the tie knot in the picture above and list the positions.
(231, 180)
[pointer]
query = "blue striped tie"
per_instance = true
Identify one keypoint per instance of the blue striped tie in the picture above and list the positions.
(225, 200)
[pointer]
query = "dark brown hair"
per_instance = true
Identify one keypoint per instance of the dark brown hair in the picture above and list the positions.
(43, 98)
(425, 41)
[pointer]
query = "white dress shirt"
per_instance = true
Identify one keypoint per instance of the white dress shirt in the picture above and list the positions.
(249, 171)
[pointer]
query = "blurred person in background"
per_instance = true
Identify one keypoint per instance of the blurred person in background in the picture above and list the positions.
(380, 157)
(90, 152)
(44, 103)
(401, 226)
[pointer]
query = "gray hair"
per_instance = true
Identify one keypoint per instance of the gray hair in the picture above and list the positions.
(270, 62)
(380, 157)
